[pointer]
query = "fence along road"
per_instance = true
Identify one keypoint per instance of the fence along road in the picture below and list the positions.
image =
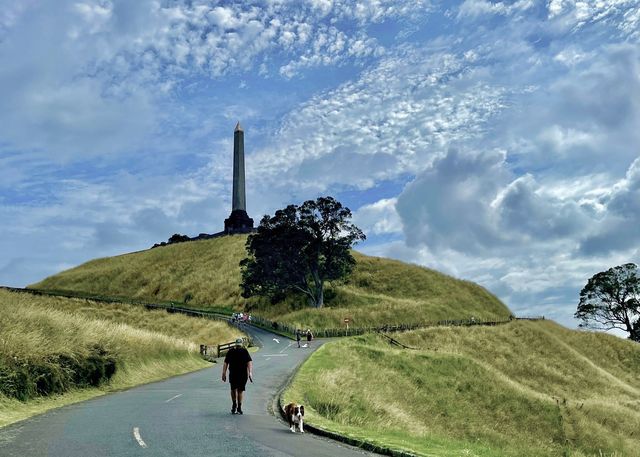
(278, 327)
(187, 415)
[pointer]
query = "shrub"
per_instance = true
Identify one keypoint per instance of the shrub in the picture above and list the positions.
(25, 379)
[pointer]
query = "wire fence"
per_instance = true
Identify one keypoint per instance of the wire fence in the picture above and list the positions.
(289, 330)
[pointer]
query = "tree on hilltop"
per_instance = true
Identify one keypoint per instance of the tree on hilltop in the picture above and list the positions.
(298, 249)
(611, 299)
(177, 238)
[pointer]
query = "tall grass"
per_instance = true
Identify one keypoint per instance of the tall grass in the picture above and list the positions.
(521, 389)
(53, 346)
(379, 292)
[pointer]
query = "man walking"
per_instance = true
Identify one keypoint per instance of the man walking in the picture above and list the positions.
(240, 366)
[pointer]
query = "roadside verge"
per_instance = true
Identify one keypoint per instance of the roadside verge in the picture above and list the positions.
(278, 409)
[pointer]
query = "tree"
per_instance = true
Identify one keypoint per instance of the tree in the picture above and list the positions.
(177, 238)
(611, 299)
(300, 248)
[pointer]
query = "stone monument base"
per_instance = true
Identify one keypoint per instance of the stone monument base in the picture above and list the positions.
(238, 222)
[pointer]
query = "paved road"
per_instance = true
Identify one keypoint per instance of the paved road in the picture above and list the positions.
(183, 416)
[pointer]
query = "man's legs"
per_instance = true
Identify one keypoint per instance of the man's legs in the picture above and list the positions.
(234, 402)
(240, 392)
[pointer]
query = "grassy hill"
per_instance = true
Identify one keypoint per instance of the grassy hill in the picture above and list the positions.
(206, 273)
(519, 389)
(55, 351)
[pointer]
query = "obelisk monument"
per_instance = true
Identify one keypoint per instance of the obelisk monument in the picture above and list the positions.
(238, 221)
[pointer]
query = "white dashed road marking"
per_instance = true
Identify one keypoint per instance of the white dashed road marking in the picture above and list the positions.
(276, 340)
(173, 398)
(136, 435)
(286, 347)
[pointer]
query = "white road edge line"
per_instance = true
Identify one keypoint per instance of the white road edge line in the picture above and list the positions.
(173, 398)
(136, 435)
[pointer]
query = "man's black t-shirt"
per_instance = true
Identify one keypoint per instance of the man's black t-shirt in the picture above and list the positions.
(237, 358)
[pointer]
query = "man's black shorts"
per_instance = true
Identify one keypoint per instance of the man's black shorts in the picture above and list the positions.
(238, 381)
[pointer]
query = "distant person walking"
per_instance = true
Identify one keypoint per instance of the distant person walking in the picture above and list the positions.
(309, 337)
(240, 366)
(298, 337)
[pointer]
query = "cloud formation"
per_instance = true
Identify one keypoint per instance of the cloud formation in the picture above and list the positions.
(389, 122)
(473, 203)
(549, 195)
(379, 218)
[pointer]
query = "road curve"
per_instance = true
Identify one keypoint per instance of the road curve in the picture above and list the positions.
(187, 415)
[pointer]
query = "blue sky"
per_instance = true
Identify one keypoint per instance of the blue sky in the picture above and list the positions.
(494, 141)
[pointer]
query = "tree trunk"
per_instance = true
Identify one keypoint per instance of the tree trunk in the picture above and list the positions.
(319, 285)
(634, 334)
(630, 328)
(320, 300)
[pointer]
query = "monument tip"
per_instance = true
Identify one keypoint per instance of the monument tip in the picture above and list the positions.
(238, 127)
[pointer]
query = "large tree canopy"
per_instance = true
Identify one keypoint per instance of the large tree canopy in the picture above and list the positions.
(300, 248)
(611, 299)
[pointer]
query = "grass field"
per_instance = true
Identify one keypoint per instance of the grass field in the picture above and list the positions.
(206, 274)
(519, 389)
(55, 351)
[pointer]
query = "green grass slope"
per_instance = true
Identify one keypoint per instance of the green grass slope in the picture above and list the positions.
(55, 351)
(381, 291)
(519, 389)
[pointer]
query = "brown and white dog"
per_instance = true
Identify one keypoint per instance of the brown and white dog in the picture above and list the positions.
(294, 413)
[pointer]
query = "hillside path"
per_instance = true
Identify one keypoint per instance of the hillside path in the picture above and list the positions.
(186, 415)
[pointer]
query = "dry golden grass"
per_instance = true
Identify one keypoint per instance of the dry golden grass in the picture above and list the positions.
(208, 270)
(380, 291)
(38, 333)
(520, 389)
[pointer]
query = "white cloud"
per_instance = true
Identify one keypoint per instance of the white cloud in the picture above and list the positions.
(576, 14)
(471, 202)
(73, 120)
(618, 228)
(86, 220)
(89, 78)
(449, 205)
(330, 47)
(378, 218)
(525, 208)
(572, 56)
(569, 128)
(392, 121)
(10, 12)
(365, 11)
(221, 39)
(474, 8)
